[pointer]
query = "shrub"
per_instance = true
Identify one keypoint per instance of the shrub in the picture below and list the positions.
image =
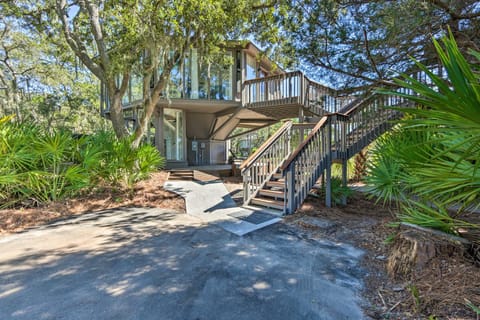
(339, 191)
(41, 166)
(433, 162)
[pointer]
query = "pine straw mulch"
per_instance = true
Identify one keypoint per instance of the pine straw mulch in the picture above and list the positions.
(438, 290)
(148, 193)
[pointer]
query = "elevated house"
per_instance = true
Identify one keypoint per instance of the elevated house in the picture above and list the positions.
(203, 106)
(206, 102)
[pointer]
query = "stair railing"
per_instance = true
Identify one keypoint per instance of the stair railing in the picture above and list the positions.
(367, 120)
(305, 165)
(265, 161)
(336, 136)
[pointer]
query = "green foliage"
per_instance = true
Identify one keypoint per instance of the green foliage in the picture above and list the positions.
(415, 296)
(431, 216)
(364, 42)
(474, 308)
(43, 82)
(127, 165)
(388, 171)
(432, 162)
(41, 166)
(337, 169)
(339, 191)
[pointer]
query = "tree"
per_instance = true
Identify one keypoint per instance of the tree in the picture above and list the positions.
(42, 82)
(115, 40)
(364, 42)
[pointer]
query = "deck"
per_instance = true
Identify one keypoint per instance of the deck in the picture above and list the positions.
(282, 96)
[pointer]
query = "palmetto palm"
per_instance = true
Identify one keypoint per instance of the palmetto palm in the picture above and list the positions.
(451, 113)
(443, 170)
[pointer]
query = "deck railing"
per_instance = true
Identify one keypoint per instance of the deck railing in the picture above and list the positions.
(286, 88)
(320, 99)
(289, 88)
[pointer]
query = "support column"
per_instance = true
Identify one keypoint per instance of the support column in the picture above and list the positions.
(300, 120)
(328, 167)
(344, 179)
(158, 124)
(290, 189)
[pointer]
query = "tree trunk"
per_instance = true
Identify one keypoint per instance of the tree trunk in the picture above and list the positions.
(149, 107)
(116, 115)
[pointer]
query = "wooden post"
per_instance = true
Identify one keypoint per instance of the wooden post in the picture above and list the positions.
(300, 120)
(290, 184)
(158, 124)
(344, 179)
(328, 166)
(246, 188)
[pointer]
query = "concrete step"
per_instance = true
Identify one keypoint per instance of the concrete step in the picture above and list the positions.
(186, 175)
(272, 193)
(269, 203)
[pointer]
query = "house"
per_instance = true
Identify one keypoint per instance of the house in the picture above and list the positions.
(204, 104)
(207, 102)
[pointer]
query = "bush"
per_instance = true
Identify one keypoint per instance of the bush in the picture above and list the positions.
(339, 191)
(41, 166)
(432, 163)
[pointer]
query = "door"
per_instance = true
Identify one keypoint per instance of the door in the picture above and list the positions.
(173, 126)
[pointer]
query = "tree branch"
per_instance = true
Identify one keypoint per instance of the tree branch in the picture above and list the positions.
(367, 49)
(75, 43)
(455, 15)
(92, 9)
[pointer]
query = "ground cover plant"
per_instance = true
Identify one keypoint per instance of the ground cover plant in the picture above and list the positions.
(40, 165)
(430, 164)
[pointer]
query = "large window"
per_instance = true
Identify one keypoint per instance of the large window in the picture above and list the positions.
(251, 68)
(194, 78)
(136, 88)
(203, 79)
(173, 134)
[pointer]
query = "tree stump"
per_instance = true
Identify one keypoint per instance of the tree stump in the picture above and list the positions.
(414, 248)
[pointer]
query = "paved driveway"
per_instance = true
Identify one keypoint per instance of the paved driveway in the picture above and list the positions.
(154, 264)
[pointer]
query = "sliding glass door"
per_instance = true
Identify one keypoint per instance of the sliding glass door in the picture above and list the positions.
(173, 126)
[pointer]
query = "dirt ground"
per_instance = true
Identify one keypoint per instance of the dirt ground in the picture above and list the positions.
(438, 291)
(147, 193)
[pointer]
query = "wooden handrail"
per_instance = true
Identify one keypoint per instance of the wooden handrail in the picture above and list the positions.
(352, 106)
(312, 133)
(274, 77)
(254, 156)
(304, 125)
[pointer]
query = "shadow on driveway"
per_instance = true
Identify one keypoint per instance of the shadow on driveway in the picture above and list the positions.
(154, 264)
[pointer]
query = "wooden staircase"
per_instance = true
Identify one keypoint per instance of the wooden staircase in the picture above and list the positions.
(281, 173)
(272, 194)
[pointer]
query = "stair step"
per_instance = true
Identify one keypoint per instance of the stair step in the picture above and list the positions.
(181, 173)
(186, 175)
(171, 178)
(268, 203)
(272, 193)
(275, 184)
(277, 176)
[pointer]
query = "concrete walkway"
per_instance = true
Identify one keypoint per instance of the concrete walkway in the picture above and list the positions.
(157, 264)
(211, 202)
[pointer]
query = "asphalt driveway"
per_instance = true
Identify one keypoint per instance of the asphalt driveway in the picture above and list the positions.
(156, 264)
